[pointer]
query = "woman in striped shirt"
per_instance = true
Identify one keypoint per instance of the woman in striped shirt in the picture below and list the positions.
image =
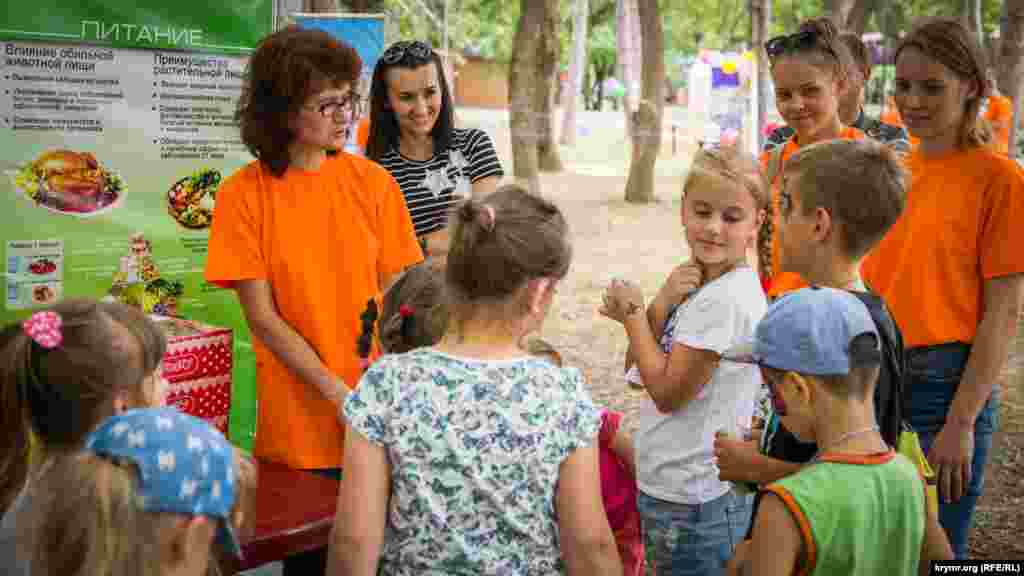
(412, 135)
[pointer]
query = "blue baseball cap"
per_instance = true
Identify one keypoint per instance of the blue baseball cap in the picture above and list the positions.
(185, 465)
(809, 331)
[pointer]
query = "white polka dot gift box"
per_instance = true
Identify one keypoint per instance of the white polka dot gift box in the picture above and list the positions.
(197, 369)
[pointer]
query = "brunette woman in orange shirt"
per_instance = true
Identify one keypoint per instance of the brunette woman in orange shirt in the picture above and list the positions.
(952, 269)
(305, 235)
(809, 70)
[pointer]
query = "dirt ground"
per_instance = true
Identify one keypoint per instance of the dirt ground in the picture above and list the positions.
(643, 242)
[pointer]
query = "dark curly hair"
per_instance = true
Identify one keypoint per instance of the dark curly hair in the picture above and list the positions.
(288, 67)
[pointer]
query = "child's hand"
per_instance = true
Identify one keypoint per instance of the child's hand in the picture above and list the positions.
(684, 280)
(734, 457)
(622, 299)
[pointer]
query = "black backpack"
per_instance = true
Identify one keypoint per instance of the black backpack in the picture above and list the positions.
(889, 392)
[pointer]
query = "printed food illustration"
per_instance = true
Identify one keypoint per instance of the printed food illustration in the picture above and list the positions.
(43, 294)
(42, 267)
(138, 281)
(190, 200)
(69, 182)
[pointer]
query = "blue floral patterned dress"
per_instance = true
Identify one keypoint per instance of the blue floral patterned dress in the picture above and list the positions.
(474, 448)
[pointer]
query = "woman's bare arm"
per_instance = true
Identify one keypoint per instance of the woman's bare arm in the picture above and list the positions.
(284, 342)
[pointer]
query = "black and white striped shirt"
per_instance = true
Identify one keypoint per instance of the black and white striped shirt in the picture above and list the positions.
(432, 188)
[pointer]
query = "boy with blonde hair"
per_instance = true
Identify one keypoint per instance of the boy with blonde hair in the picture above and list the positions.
(838, 200)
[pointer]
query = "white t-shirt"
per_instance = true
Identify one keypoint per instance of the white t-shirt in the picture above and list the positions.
(674, 451)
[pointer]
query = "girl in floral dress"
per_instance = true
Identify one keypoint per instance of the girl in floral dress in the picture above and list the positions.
(471, 456)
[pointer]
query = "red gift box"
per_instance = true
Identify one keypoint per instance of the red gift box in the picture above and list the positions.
(197, 369)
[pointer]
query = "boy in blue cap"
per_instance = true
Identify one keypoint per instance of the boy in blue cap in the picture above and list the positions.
(857, 507)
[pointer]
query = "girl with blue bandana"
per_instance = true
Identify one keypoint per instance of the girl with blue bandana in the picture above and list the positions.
(151, 494)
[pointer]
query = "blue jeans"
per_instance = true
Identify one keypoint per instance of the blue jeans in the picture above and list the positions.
(934, 373)
(697, 539)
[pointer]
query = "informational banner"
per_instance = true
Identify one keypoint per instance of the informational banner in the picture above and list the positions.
(364, 32)
(116, 129)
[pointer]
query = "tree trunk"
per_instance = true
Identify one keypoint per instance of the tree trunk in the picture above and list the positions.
(576, 66)
(625, 40)
(1011, 63)
(972, 18)
(601, 74)
(852, 15)
(531, 79)
(647, 133)
(320, 6)
(760, 18)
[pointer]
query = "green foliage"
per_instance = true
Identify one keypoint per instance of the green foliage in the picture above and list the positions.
(487, 27)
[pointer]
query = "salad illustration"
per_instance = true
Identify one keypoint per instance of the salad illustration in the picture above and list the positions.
(190, 200)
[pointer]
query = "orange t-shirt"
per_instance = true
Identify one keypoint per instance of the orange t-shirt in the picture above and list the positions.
(961, 225)
(783, 282)
(891, 114)
(323, 240)
(999, 113)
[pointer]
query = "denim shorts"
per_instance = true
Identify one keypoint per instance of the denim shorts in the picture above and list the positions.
(693, 539)
(933, 376)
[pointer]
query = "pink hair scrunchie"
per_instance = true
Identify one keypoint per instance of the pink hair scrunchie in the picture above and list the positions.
(44, 328)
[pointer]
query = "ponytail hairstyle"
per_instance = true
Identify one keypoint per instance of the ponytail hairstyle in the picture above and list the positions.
(860, 57)
(950, 43)
(414, 312)
(368, 320)
(59, 387)
(499, 244)
(817, 39)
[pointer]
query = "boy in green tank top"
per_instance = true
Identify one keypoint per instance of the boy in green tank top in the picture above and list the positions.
(857, 508)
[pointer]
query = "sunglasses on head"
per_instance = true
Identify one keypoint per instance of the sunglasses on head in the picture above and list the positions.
(407, 50)
(788, 43)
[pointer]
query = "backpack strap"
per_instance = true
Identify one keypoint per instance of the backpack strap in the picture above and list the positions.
(894, 358)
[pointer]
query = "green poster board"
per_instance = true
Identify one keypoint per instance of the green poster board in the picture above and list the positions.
(113, 137)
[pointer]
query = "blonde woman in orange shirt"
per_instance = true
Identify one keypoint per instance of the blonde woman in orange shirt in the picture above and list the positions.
(951, 269)
(809, 69)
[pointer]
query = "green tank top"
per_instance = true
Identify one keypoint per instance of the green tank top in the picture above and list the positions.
(858, 515)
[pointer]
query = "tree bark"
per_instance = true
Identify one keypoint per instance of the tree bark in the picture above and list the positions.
(320, 6)
(760, 18)
(647, 133)
(1011, 63)
(532, 77)
(972, 18)
(852, 15)
(625, 40)
(576, 66)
